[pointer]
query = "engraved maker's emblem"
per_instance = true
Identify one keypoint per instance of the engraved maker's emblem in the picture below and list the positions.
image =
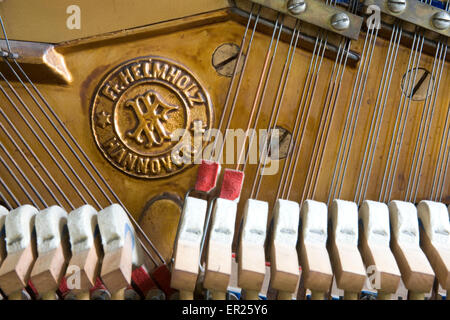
(139, 110)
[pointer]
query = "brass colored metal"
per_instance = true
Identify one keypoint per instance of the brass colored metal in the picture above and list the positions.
(189, 43)
(42, 58)
(319, 14)
(46, 20)
(416, 12)
(146, 108)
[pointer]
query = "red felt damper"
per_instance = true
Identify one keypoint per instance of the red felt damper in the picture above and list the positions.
(32, 290)
(142, 281)
(98, 285)
(207, 174)
(63, 289)
(231, 184)
(162, 276)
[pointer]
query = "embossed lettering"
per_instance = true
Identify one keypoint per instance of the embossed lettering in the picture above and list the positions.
(160, 72)
(108, 93)
(183, 82)
(167, 163)
(173, 75)
(136, 69)
(155, 166)
(142, 165)
(129, 161)
(118, 155)
(126, 77)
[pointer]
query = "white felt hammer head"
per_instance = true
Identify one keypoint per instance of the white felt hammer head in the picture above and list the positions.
(49, 228)
(115, 227)
(435, 221)
(19, 226)
(404, 223)
(82, 223)
(344, 221)
(192, 220)
(254, 226)
(3, 214)
(286, 215)
(314, 215)
(224, 218)
(375, 219)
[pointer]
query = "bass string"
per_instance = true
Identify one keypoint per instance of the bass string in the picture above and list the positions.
(5, 201)
(24, 176)
(44, 145)
(16, 179)
(11, 195)
(142, 233)
(380, 107)
(278, 102)
(18, 148)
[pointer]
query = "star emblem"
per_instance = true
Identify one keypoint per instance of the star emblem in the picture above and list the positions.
(103, 119)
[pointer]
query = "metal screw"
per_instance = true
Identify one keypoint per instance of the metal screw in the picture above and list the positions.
(396, 6)
(340, 21)
(296, 6)
(441, 20)
(225, 57)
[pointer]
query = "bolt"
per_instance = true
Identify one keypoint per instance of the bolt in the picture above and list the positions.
(396, 6)
(296, 6)
(225, 57)
(441, 20)
(340, 21)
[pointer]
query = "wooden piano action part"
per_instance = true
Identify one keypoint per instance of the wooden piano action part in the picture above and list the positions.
(219, 149)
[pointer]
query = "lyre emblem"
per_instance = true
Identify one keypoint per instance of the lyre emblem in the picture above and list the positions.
(151, 112)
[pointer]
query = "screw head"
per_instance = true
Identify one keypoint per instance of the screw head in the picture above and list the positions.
(340, 21)
(396, 6)
(296, 6)
(441, 20)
